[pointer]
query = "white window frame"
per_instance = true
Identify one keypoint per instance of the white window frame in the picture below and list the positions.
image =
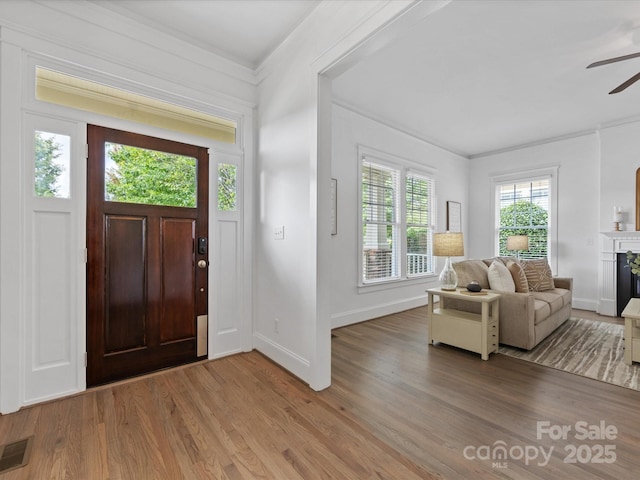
(547, 173)
(404, 167)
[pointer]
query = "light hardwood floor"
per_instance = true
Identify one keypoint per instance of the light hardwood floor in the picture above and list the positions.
(397, 409)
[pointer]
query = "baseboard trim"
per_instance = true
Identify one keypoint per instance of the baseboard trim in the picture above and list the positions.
(584, 304)
(287, 359)
(350, 317)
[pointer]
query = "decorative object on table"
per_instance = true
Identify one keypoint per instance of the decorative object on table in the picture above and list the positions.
(518, 243)
(474, 286)
(454, 217)
(617, 218)
(448, 244)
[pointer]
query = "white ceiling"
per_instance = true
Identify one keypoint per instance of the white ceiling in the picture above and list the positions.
(243, 31)
(482, 76)
(474, 77)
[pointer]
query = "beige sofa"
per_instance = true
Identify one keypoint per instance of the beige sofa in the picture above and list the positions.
(525, 318)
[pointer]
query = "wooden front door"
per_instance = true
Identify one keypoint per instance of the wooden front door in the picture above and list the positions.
(147, 211)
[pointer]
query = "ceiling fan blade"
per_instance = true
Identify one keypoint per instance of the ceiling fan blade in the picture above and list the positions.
(614, 59)
(624, 85)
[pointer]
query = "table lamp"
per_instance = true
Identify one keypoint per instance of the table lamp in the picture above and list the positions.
(448, 244)
(518, 243)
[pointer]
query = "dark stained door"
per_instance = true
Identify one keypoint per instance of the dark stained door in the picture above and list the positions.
(147, 212)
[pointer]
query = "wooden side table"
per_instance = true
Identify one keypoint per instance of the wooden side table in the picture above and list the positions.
(631, 314)
(474, 332)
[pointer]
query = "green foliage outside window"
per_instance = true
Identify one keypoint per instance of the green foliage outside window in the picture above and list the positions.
(525, 218)
(227, 189)
(47, 170)
(150, 177)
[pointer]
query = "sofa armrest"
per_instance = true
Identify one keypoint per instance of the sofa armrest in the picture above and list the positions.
(563, 282)
(517, 319)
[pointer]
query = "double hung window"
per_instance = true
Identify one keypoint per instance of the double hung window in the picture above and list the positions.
(524, 206)
(397, 221)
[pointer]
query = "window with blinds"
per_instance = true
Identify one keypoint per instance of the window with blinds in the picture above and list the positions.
(379, 222)
(397, 221)
(524, 210)
(419, 194)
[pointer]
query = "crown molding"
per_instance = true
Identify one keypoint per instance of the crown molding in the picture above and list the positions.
(399, 128)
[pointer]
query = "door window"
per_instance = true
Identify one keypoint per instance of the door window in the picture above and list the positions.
(150, 177)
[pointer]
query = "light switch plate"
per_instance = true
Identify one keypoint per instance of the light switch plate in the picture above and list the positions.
(278, 233)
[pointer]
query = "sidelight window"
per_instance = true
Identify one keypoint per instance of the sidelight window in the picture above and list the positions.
(227, 187)
(51, 164)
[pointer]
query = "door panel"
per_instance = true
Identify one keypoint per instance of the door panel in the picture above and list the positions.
(144, 287)
(178, 281)
(125, 279)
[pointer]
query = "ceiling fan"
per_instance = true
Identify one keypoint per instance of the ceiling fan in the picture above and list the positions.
(623, 85)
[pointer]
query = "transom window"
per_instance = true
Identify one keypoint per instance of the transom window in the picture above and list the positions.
(397, 222)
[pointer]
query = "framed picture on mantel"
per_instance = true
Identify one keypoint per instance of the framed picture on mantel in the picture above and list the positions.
(454, 216)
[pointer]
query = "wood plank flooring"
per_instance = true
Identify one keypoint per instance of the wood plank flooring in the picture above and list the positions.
(397, 409)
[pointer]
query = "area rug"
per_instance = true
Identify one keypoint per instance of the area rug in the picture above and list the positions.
(584, 347)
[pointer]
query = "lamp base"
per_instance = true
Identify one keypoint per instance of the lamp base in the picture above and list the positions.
(448, 277)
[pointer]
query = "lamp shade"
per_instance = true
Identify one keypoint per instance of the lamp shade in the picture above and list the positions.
(448, 244)
(518, 242)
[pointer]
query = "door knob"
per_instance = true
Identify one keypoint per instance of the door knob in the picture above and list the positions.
(202, 263)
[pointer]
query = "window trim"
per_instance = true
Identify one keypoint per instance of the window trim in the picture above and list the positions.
(404, 167)
(550, 173)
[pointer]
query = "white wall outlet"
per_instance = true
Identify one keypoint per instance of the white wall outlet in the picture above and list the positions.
(278, 232)
(276, 325)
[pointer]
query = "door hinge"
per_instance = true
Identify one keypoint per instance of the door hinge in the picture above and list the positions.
(86, 151)
(86, 360)
(86, 255)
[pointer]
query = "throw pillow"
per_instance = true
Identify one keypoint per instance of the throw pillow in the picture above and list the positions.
(500, 278)
(519, 278)
(539, 276)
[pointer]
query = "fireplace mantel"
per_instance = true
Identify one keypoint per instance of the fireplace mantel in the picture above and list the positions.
(632, 235)
(621, 242)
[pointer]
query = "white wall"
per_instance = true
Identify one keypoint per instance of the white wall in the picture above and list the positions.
(350, 303)
(620, 158)
(579, 193)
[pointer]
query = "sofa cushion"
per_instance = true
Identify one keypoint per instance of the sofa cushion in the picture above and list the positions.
(489, 261)
(469, 270)
(539, 276)
(542, 311)
(500, 278)
(519, 278)
(562, 293)
(554, 300)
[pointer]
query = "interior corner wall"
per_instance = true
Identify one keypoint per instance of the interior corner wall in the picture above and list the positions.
(289, 326)
(579, 192)
(349, 302)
